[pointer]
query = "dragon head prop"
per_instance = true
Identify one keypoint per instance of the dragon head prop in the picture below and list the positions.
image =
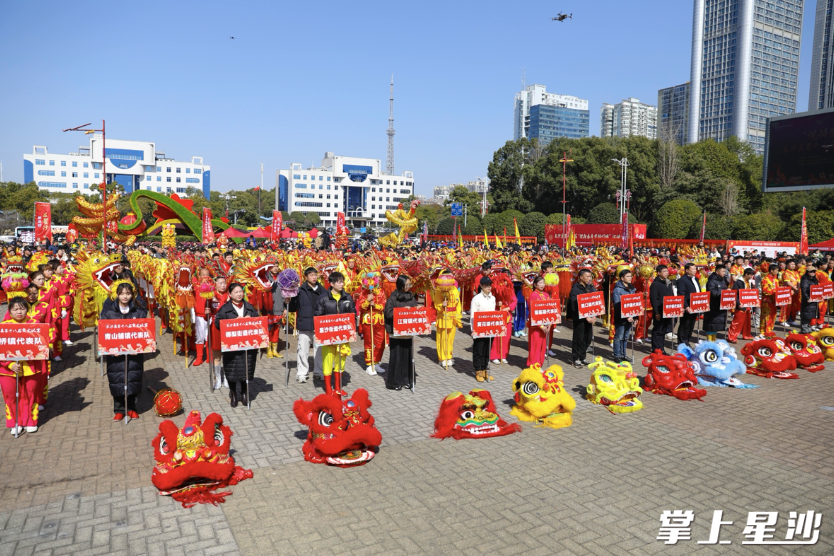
(94, 277)
(671, 375)
(289, 281)
(769, 358)
(194, 461)
(540, 396)
(15, 279)
(471, 415)
(825, 337)
(615, 386)
(807, 353)
(340, 432)
(715, 364)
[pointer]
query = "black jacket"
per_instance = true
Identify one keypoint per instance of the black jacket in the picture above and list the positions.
(327, 304)
(304, 304)
(715, 319)
(278, 305)
(620, 289)
(658, 290)
(235, 362)
(397, 300)
(686, 288)
(573, 303)
(116, 363)
(808, 309)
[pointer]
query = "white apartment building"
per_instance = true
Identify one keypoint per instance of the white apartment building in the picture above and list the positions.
(354, 186)
(478, 185)
(133, 164)
(535, 95)
(628, 118)
(441, 192)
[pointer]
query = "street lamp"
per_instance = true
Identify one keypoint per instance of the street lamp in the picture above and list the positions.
(622, 195)
(103, 173)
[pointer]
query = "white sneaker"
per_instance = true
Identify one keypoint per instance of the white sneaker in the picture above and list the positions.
(40, 408)
(16, 430)
(370, 370)
(669, 336)
(225, 383)
(301, 378)
(218, 384)
(496, 362)
(379, 369)
(32, 429)
(67, 343)
(551, 353)
(555, 330)
(504, 361)
(638, 341)
(57, 358)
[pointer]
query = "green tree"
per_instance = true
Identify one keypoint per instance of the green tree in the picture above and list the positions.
(718, 227)
(431, 213)
(674, 219)
(820, 226)
(604, 213)
(473, 226)
(533, 225)
(505, 175)
(764, 226)
(311, 219)
(445, 225)
(460, 194)
(296, 221)
(22, 198)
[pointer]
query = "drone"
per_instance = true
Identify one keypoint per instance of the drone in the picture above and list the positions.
(561, 17)
(231, 37)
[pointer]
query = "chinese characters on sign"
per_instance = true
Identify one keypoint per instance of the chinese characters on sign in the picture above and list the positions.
(545, 311)
(783, 296)
(672, 306)
(411, 321)
(817, 293)
(699, 302)
(43, 221)
(243, 333)
(19, 342)
(335, 329)
(803, 528)
(631, 305)
(126, 336)
(728, 299)
(828, 290)
(590, 305)
(748, 298)
(489, 324)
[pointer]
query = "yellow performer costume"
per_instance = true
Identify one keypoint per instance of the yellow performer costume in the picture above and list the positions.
(447, 304)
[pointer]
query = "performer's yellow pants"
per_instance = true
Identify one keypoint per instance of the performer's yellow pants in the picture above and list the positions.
(445, 343)
(330, 359)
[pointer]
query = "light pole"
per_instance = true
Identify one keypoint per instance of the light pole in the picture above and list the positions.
(259, 190)
(104, 175)
(621, 194)
(564, 160)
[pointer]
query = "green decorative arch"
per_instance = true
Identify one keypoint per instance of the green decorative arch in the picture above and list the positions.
(187, 217)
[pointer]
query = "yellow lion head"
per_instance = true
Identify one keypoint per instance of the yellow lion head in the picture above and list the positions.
(825, 337)
(540, 396)
(615, 386)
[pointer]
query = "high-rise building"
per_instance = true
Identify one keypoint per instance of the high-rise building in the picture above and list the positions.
(673, 113)
(745, 63)
(546, 116)
(132, 164)
(628, 118)
(441, 192)
(821, 94)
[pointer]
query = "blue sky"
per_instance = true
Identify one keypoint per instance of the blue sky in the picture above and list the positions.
(302, 78)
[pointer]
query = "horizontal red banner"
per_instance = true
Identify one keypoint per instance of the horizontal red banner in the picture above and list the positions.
(411, 321)
(545, 311)
(489, 324)
(590, 304)
(243, 333)
(332, 330)
(126, 336)
(19, 342)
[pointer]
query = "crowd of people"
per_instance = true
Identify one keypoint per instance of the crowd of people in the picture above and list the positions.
(452, 282)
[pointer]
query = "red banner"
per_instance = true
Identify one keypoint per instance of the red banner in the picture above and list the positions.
(672, 306)
(43, 221)
(335, 329)
(277, 224)
(828, 290)
(749, 297)
(817, 294)
(411, 321)
(728, 299)
(545, 311)
(625, 231)
(803, 236)
(594, 234)
(126, 336)
(782, 296)
(590, 304)
(19, 342)
(489, 324)
(631, 305)
(699, 302)
(243, 333)
(208, 228)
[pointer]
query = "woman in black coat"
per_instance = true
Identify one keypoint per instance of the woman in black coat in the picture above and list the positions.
(809, 310)
(124, 307)
(715, 320)
(399, 355)
(237, 365)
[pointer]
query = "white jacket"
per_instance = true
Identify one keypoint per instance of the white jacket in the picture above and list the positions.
(482, 303)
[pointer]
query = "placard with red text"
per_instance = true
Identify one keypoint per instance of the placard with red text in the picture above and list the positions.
(672, 306)
(782, 296)
(489, 324)
(749, 297)
(545, 311)
(828, 290)
(411, 321)
(243, 333)
(728, 299)
(126, 336)
(631, 305)
(699, 302)
(590, 304)
(333, 330)
(19, 342)
(817, 293)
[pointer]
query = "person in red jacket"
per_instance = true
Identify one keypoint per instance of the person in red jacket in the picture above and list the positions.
(221, 296)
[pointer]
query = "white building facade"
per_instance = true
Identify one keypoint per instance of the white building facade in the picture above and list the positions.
(355, 186)
(535, 95)
(628, 118)
(133, 164)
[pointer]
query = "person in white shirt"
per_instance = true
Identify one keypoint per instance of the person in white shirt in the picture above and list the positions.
(484, 301)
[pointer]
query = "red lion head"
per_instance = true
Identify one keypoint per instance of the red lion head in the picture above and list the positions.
(470, 415)
(671, 375)
(194, 461)
(340, 433)
(807, 353)
(769, 358)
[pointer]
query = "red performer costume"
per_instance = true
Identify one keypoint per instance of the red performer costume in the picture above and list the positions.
(28, 383)
(372, 327)
(741, 316)
(769, 308)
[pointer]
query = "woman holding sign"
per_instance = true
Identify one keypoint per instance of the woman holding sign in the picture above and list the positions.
(399, 358)
(537, 337)
(124, 308)
(22, 412)
(237, 365)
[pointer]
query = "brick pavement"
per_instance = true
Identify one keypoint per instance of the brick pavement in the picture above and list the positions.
(596, 487)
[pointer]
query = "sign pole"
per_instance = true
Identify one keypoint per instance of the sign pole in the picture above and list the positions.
(246, 360)
(489, 361)
(287, 350)
(17, 402)
(212, 372)
(413, 368)
(126, 417)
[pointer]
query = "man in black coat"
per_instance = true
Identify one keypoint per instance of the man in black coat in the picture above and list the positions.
(335, 301)
(808, 310)
(304, 306)
(687, 285)
(583, 329)
(661, 287)
(715, 320)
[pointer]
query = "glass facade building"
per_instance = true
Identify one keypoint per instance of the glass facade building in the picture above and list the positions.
(550, 122)
(821, 93)
(673, 113)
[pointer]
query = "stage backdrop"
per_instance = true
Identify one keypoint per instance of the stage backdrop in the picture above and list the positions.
(594, 234)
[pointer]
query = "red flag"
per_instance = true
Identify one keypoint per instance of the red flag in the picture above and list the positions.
(257, 188)
(208, 228)
(704, 227)
(43, 221)
(277, 224)
(803, 238)
(625, 231)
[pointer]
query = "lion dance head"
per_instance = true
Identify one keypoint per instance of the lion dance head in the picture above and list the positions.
(671, 375)
(540, 396)
(615, 386)
(769, 358)
(470, 415)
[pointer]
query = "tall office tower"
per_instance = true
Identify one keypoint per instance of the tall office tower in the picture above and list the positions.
(628, 118)
(821, 94)
(673, 113)
(745, 62)
(544, 116)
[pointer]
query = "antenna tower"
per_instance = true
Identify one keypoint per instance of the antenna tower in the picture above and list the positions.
(389, 164)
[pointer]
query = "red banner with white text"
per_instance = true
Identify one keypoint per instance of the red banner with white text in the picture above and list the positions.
(699, 302)
(277, 224)
(331, 330)
(43, 221)
(545, 311)
(489, 324)
(728, 300)
(411, 321)
(126, 336)
(590, 304)
(631, 305)
(594, 234)
(749, 297)
(243, 333)
(19, 342)
(782, 296)
(208, 228)
(817, 294)
(672, 306)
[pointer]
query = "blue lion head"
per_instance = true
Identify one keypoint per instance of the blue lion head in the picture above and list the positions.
(714, 359)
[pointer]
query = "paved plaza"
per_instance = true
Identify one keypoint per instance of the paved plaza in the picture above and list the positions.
(81, 484)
